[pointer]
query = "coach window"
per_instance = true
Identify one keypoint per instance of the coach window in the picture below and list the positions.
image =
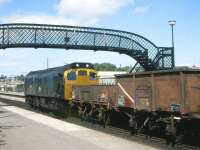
(71, 75)
(93, 76)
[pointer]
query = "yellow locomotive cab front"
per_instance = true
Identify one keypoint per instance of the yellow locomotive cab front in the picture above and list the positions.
(78, 76)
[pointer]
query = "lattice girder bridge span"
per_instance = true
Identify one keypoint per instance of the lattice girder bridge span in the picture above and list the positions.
(147, 54)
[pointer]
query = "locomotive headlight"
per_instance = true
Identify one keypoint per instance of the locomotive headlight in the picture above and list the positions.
(77, 65)
(87, 65)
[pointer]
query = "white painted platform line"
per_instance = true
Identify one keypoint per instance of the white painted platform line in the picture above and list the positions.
(14, 93)
(103, 140)
(13, 98)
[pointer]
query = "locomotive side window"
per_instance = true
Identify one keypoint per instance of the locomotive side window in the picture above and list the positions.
(93, 76)
(71, 75)
(82, 73)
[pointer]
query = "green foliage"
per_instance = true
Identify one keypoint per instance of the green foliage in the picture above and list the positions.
(109, 67)
(19, 77)
(105, 67)
(125, 68)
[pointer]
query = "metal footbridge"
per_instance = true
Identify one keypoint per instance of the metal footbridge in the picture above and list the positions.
(148, 56)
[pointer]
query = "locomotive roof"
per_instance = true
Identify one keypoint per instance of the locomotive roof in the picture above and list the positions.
(65, 67)
(170, 71)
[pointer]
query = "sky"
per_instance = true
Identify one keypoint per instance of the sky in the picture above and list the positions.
(148, 18)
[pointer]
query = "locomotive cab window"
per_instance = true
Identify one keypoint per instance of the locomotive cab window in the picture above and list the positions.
(93, 76)
(71, 75)
(82, 73)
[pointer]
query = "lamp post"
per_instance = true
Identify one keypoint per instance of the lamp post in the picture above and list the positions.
(172, 23)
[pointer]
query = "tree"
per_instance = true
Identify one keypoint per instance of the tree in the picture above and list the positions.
(20, 77)
(109, 67)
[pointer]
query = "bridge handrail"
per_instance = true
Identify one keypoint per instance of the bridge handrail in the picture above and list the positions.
(147, 44)
(78, 27)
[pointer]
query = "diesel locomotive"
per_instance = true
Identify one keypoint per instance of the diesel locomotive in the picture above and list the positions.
(52, 88)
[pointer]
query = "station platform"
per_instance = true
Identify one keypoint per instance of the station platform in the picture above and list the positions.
(24, 129)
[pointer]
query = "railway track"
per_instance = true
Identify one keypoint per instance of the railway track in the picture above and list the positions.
(141, 138)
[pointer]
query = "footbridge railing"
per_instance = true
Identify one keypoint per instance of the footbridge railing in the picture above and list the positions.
(146, 53)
